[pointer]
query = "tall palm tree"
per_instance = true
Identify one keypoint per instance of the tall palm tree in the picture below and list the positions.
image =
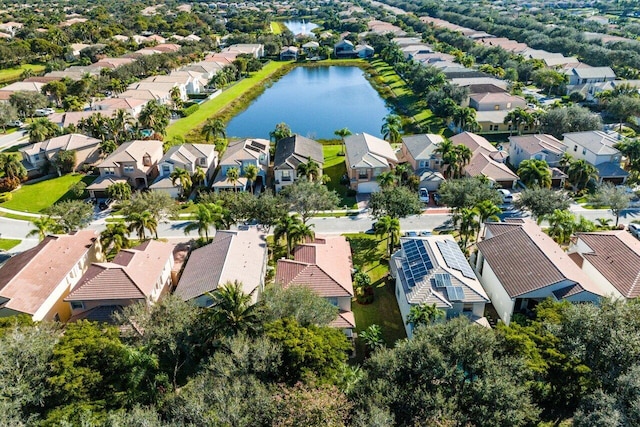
(535, 172)
(155, 116)
(41, 129)
(468, 225)
(176, 97)
(204, 219)
(199, 177)
(309, 170)
(342, 133)
(300, 232)
(231, 310)
(391, 128)
(284, 226)
(212, 129)
(251, 173)
(486, 211)
(462, 158)
(390, 227)
(139, 222)
(562, 224)
(122, 121)
(233, 175)
(565, 161)
(518, 117)
(182, 176)
(43, 226)
(448, 155)
(387, 179)
(465, 119)
(116, 235)
(580, 173)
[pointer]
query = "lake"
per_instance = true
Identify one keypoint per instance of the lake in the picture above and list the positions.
(314, 102)
(300, 27)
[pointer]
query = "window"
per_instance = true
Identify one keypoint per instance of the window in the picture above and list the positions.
(575, 148)
(286, 175)
(422, 164)
(128, 168)
(496, 107)
(37, 157)
(56, 317)
(363, 173)
(584, 151)
(203, 161)
(109, 171)
(77, 305)
(333, 301)
(166, 169)
(467, 308)
(146, 160)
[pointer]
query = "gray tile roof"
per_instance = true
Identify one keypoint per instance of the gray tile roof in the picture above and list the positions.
(296, 149)
(611, 170)
(422, 146)
(598, 142)
(367, 151)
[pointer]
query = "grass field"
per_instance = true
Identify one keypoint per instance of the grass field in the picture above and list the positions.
(276, 27)
(209, 108)
(39, 196)
(9, 75)
(6, 244)
(335, 168)
(369, 256)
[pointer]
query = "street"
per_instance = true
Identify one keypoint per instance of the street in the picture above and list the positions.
(15, 138)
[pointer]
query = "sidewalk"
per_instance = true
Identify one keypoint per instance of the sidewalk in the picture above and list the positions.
(20, 213)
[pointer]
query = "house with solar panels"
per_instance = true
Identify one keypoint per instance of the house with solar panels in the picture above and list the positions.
(239, 155)
(433, 270)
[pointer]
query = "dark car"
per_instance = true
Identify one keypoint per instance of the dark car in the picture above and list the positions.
(105, 204)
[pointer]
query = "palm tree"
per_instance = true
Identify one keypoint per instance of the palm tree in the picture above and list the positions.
(182, 176)
(402, 172)
(300, 232)
(233, 175)
(281, 131)
(251, 173)
(565, 161)
(119, 191)
(424, 314)
(43, 226)
(391, 128)
(199, 177)
(176, 97)
(562, 224)
(309, 170)
(387, 179)
(391, 227)
(232, 311)
(139, 222)
(122, 120)
(155, 116)
(535, 172)
(372, 337)
(468, 225)
(204, 219)
(465, 119)
(116, 235)
(212, 129)
(41, 129)
(486, 211)
(342, 133)
(580, 173)
(518, 117)
(448, 154)
(284, 226)
(463, 156)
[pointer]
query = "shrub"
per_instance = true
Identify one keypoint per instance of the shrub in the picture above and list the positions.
(5, 197)
(9, 184)
(185, 112)
(351, 192)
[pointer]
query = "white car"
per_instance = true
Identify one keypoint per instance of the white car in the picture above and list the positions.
(507, 197)
(634, 229)
(423, 194)
(15, 123)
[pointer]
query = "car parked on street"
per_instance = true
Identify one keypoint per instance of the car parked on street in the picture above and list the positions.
(634, 229)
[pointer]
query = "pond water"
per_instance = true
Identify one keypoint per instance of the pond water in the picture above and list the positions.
(314, 102)
(300, 27)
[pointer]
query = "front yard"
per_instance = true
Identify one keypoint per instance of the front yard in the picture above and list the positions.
(369, 256)
(334, 168)
(40, 195)
(6, 244)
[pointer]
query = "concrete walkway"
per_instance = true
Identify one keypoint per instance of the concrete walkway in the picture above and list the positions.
(20, 213)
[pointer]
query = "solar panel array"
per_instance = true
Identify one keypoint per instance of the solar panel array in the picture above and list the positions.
(442, 280)
(455, 293)
(258, 145)
(454, 258)
(417, 261)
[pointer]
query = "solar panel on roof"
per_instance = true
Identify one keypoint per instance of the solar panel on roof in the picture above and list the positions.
(455, 293)
(454, 258)
(442, 280)
(417, 263)
(249, 147)
(258, 145)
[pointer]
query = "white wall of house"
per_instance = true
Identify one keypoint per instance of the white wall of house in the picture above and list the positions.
(404, 307)
(499, 297)
(284, 177)
(578, 152)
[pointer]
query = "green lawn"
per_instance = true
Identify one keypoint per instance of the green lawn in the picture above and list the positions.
(369, 256)
(335, 168)
(276, 27)
(209, 108)
(8, 75)
(39, 196)
(6, 244)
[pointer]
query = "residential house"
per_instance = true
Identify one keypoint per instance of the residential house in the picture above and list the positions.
(7, 91)
(290, 153)
(366, 158)
(130, 105)
(311, 47)
(289, 53)
(255, 50)
(519, 265)
(364, 51)
(611, 259)
(325, 266)
(87, 150)
(187, 84)
(537, 146)
(140, 274)
(160, 87)
(134, 161)
(493, 107)
(232, 256)
(189, 157)
(36, 281)
(162, 96)
(580, 76)
(344, 49)
(433, 270)
(419, 152)
(487, 160)
(480, 82)
(596, 148)
(239, 155)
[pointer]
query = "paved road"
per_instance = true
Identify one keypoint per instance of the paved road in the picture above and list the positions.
(16, 138)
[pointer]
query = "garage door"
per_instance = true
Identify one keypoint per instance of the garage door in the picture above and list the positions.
(368, 187)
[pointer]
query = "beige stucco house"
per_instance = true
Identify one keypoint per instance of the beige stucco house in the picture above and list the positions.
(366, 158)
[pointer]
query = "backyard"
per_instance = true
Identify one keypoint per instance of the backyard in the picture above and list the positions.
(9, 75)
(40, 195)
(369, 256)
(334, 168)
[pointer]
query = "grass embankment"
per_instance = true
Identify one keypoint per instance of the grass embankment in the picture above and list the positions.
(39, 196)
(10, 75)
(277, 27)
(335, 168)
(369, 256)
(233, 98)
(6, 244)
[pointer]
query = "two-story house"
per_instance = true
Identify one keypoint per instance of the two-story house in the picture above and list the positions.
(493, 107)
(537, 146)
(323, 265)
(419, 151)
(130, 105)
(581, 76)
(597, 148)
(433, 270)
(139, 274)
(239, 155)
(36, 281)
(290, 153)
(134, 162)
(366, 158)
(189, 157)
(87, 150)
